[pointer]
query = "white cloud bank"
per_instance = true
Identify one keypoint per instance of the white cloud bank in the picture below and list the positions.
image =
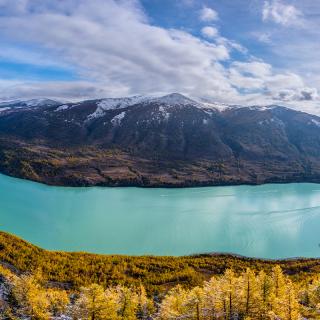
(281, 13)
(118, 52)
(209, 32)
(208, 14)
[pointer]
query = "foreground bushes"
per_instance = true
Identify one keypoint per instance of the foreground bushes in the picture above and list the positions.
(230, 296)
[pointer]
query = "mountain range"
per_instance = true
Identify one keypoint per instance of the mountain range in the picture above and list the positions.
(154, 141)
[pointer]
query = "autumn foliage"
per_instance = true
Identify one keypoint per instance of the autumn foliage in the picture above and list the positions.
(247, 296)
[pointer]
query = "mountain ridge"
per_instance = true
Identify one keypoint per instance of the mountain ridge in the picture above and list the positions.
(153, 141)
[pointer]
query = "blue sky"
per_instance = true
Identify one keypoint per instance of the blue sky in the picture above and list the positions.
(231, 51)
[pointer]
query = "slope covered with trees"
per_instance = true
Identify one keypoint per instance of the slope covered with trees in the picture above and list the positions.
(244, 296)
(40, 284)
(157, 274)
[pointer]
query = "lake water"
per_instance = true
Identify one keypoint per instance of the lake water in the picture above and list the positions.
(269, 221)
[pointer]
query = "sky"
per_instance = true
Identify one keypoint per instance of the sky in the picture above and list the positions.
(251, 52)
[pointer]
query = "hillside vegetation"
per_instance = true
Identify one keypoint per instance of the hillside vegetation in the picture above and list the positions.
(40, 284)
(157, 274)
(247, 295)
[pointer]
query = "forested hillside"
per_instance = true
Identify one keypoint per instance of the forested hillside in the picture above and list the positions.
(41, 284)
(230, 296)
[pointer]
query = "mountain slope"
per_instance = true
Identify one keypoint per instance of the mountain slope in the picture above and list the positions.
(158, 141)
(71, 270)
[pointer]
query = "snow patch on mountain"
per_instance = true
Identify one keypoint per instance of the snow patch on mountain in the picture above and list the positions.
(175, 99)
(205, 121)
(120, 103)
(271, 121)
(40, 102)
(97, 114)
(114, 103)
(4, 109)
(215, 106)
(30, 103)
(164, 113)
(315, 122)
(102, 106)
(10, 103)
(260, 108)
(118, 118)
(62, 108)
(170, 100)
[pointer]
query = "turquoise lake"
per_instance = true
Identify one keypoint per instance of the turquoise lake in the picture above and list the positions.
(268, 221)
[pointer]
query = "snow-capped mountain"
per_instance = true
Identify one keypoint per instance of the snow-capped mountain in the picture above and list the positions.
(28, 103)
(158, 140)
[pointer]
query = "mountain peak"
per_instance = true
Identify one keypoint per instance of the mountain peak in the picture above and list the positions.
(40, 102)
(30, 103)
(175, 99)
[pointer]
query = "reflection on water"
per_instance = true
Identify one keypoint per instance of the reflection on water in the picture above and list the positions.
(270, 221)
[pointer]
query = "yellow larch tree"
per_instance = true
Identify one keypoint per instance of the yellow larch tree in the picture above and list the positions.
(230, 294)
(173, 305)
(128, 302)
(31, 298)
(145, 307)
(91, 304)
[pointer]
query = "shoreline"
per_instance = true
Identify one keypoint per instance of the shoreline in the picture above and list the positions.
(123, 184)
(216, 254)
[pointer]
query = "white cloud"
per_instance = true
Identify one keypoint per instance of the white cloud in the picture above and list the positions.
(253, 68)
(209, 32)
(257, 76)
(264, 37)
(117, 52)
(278, 12)
(304, 94)
(60, 90)
(112, 45)
(208, 14)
